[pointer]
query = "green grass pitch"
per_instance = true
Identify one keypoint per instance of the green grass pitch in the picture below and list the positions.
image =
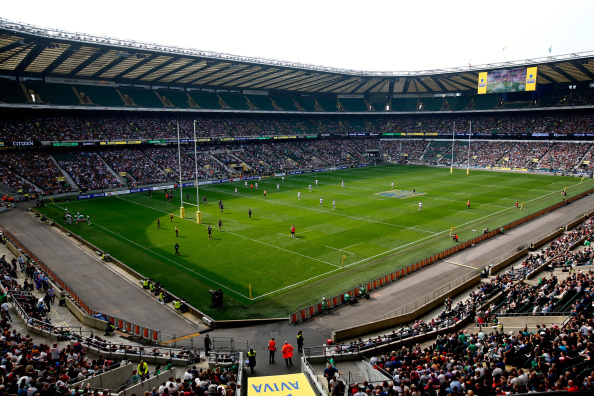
(377, 228)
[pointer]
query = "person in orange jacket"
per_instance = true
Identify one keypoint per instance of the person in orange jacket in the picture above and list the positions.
(287, 353)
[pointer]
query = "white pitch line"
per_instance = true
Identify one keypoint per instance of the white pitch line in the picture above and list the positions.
(340, 250)
(308, 208)
(251, 239)
(366, 189)
(346, 247)
(360, 218)
(168, 259)
(497, 206)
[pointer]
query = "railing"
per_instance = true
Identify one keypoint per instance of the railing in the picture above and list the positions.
(63, 331)
(512, 314)
(316, 309)
(120, 324)
(227, 344)
(135, 352)
(419, 302)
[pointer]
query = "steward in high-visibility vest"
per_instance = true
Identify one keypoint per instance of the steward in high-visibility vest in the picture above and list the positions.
(252, 359)
(145, 284)
(152, 287)
(177, 305)
(271, 350)
(143, 369)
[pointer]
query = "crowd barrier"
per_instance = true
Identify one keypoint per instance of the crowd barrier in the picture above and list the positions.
(119, 324)
(316, 309)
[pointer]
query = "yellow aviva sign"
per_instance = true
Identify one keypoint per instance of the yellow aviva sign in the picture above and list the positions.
(280, 385)
(531, 78)
(482, 83)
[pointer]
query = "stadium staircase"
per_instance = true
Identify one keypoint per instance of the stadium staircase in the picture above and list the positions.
(261, 102)
(110, 169)
(101, 96)
(581, 161)
(223, 166)
(68, 178)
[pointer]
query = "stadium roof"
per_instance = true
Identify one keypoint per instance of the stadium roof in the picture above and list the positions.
(30, 51)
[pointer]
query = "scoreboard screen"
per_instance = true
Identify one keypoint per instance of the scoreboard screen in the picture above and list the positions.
(507, 80)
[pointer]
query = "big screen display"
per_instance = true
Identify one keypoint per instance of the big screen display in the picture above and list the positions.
(507, 80)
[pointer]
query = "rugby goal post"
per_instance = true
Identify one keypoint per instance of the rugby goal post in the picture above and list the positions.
(182, 212)
(452, 231)
(198, 217)
(522, 206)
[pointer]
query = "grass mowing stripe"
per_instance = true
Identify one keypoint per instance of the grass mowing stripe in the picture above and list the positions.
(235, 261)
(161, 256)
(313, 209)
(245, 237)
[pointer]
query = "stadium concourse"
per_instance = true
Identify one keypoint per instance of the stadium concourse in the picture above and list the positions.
(117, 295)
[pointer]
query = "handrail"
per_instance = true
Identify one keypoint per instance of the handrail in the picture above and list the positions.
(121, 324)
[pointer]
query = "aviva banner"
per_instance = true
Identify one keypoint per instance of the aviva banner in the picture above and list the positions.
(280, 385)
(482, 83)
(531, 79)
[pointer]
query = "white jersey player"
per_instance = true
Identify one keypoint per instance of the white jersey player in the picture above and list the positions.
(420, 206)
(299, 195)
(321, 201)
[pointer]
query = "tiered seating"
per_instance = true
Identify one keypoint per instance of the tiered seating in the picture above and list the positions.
(491, 153)
(262, 102)
(581, 98)
(177, 98)
(308, 104)
(87, 170)
(56, 94)
(206, 100)
(554, 99)
(437, 150)
(235, 101)
(285, 103)
(432, 104)
(396, 149)
(36, 167)
(328, 104)
(135, 163)
(101, 96)
(459, 103)
(153, 127)
(18, 129)
(564, 156)
(353, 104)
(485, 102)
(143, 97)
(65, 128)
(404, 104)
(11, 92)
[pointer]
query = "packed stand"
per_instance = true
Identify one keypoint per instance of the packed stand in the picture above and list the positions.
(88, 171)
(135, 163)
(38, 168)
(64, 128)
(564, 156)
(466, 363)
